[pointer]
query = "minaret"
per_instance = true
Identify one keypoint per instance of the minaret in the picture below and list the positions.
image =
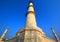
(31, 32)
(30, 20)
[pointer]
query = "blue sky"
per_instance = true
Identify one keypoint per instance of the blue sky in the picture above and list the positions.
(12, 15)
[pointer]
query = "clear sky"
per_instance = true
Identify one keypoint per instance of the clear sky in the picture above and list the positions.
(12, 15)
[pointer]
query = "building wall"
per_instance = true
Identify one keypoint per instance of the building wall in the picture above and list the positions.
(30, 35)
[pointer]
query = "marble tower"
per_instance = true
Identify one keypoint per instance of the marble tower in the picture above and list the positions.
(30, 32)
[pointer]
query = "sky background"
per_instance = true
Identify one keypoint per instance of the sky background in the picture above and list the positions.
(12, 15)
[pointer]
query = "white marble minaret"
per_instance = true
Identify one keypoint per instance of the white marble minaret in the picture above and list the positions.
(30, 20)
(30, 32)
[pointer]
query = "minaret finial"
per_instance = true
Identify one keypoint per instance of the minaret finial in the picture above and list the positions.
(30, 8)
(31, 1)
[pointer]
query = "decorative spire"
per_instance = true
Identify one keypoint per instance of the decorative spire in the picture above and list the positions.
(30, 15)
(55, 35)
(4, 33)
(30, 8)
